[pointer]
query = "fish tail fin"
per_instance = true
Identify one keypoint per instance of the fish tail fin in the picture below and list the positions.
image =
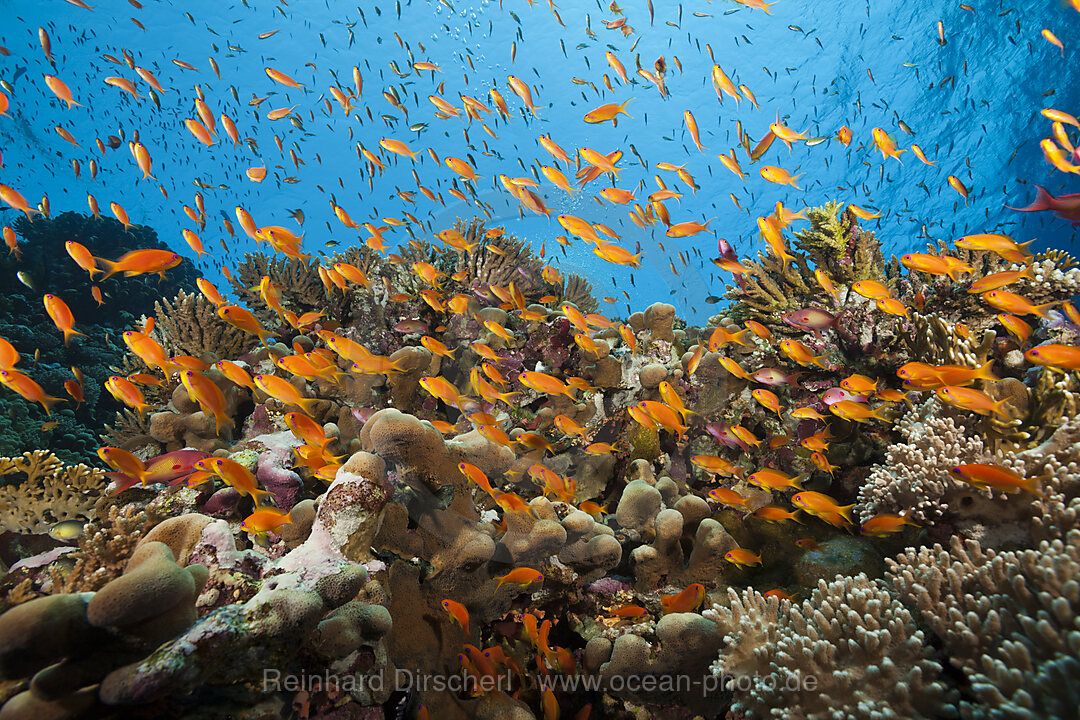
(48, 401)
(123, 482)
(108, 268)
(1040, 310)
(1042, 201)
(1032, 484)
(876, 414)
(997, 408)
(308, 405)
(986, 372)
(743, 338)
(257, 494)
(795, 516)
(222, 419)
(68, 333)
(844, 511)
(796, 482)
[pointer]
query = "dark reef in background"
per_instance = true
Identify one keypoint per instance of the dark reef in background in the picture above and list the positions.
(24, 323)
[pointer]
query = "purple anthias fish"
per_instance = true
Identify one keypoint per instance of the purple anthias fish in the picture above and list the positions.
(172, 468)
(774, 377)
(411, 327)
(726, 251)
(721, 431)
(1066, 207)
(839, 394)
(809, 319)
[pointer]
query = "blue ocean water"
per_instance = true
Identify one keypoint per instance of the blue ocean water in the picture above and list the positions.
(972, 103)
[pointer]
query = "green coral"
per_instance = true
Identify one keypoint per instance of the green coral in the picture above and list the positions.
(837, 245)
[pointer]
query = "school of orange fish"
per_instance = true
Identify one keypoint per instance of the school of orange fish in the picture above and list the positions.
(490, 388)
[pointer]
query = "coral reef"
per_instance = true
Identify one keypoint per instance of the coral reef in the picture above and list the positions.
(454, 466)
(72, 430)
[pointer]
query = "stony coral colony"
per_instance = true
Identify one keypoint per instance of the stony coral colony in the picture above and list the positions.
(437, 463)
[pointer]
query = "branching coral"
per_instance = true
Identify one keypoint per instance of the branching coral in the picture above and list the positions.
(129, 430)
(936, 341)
(769, 289)
(48, 493)
(841, 248)
(189, 325)
(850, 650)
(298, 280)
(1010, 621)
(578, 291)
(104, 549)
(916, 474)
(498, 261)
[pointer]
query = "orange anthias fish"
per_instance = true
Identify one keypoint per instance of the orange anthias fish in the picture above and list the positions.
(775, 480)
(885, 524)
(727, 497)
(61, 316)
(140, 262)
(522, 577)
(921, 376)
(25, 386)
(973, 400)
(996, 477)
(266, 519)
(458, 613)
(823, 506)
(604, 113)
(684, 601)
(544, 383)
(742, 557)
(776, 514)
(233, 474)
(1058, 357)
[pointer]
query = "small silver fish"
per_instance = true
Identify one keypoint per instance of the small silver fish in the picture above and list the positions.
(25, 279)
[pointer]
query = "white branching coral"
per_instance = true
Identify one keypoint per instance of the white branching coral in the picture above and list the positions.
(1010, 621)
(915, 476)
(851, 650)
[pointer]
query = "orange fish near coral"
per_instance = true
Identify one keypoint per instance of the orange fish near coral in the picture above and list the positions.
(823, 506)
(266, 519)
(458, 613)
(996, 477)
(742, 557)
(1058, 357)
(522, 577)
(25, 386)
(684, 601)
(141, 262)
(885, 524)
